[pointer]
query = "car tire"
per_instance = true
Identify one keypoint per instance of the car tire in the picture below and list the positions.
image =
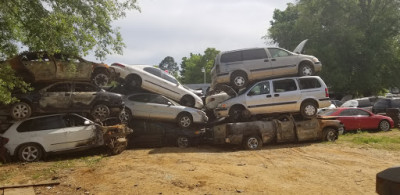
(330, 134)
(252, 142)
(134, 81)
(306, 70)
(185, 120)
(182, 142)
(308, 109)
(187, 101)
(125, 115)
(384, 125)
(239, 80)
(100, 111)
(235, 113)
(30, 152)
(21, 110)
(101, 78)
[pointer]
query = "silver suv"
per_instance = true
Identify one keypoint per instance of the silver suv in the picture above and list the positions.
(239, 67)
(293, 94)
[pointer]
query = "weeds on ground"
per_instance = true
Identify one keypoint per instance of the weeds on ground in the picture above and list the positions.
(389, 140)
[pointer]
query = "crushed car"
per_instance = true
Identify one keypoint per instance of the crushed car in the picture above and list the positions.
(252, 135)
(42, 67)
(33, 138)
(67, 96)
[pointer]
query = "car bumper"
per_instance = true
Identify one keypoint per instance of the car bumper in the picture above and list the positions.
(221, 112)
(318, 67)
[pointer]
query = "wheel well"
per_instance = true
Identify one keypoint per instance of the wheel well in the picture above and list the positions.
(19, 146)
(305, 62)
(132, 75)
(187, 96)
(310, 100)
(237, 106)
(184, 112)
(239, 72)
(101, 69)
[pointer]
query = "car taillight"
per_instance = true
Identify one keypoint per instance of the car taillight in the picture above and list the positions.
(3, 141)
(118, 64)
(326, 92)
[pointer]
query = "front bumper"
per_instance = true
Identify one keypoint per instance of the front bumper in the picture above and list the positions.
(221, 112)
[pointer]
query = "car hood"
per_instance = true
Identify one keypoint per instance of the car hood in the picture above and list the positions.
(300, 47)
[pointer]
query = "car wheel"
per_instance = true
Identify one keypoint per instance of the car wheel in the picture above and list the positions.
(100, 111)
(101, 78)
(30, 152)
(182, 142)
(125, 115)
(330, 134)
(239, 80)
(308, 109)
(134, 81)
(306, 70)
(185, 120)
(235, 113)
(187, 101)
(384, 125)
(252, 142)
(21, 110)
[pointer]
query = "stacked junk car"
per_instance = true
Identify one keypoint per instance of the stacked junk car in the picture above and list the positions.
(257, 96)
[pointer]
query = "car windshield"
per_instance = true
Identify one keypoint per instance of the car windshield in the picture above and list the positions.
(350, 103)
(328, 112)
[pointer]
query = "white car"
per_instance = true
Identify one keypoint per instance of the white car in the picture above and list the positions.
(30, 139)
(293, 94)
(157, 81)
(155, 106)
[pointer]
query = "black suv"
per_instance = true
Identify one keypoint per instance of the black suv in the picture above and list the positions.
(382, 105)
(81, 97)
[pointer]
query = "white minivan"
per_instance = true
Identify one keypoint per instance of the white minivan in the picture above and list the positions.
(284, 95)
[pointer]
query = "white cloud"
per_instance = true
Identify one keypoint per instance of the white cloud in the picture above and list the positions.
(179, 27)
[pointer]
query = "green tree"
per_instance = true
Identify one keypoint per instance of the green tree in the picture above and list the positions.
(191, 67)
(357, 43)
(68, 26)
(168, 63)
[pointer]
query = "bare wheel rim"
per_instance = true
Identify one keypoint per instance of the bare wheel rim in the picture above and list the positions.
(30, 153)
(20, 111)
(330, 136)
(384, 126)
(239, 81)
(252, 143)
(183, 142)
(309, 110)
(307, 71)
(101, 111)
(101, 79)
(124, 116)
(185, 121)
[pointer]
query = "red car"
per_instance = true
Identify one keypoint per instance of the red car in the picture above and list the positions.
(358, 118)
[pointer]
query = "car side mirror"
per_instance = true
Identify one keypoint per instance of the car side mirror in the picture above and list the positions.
(87, 123)
(169, 103)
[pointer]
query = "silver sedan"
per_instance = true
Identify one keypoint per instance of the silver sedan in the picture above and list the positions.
(155, 106)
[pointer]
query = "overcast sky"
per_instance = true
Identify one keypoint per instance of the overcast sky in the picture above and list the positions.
(179, 27)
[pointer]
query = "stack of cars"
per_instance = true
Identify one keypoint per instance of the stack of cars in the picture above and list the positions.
(64, 86)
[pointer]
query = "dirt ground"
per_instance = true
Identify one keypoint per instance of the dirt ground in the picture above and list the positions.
(306, 168)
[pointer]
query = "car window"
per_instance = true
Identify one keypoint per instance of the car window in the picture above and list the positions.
(157, 99)
(254, 54)
(84, 87)
(62, 87)
(169, 78)
(140, 98)
(260, 88)
(395, 103)
(347, 112)
(276, 52)
(360, 113)
(364, 103)
(231, 57)
(383, 103)
(35, 57)
(72, 120)
(153, 71)
(350, 103)
(309, 83)
(284, 85)
(41, 124)
(328, 112)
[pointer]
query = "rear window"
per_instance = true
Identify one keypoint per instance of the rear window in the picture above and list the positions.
(309, 83)
(231, 57)
(364, 103)
(4, 127)
(328, 112)
(254, 54)
(41, 124)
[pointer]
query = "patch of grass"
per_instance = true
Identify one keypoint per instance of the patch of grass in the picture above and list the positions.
(389, 140)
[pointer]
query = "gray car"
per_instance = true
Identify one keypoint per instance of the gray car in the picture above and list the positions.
(240, 67)
(155, 106)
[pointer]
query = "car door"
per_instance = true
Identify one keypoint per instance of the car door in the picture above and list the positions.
(72, 67)
(56, 97)
(79, 134)
(153, 81)
(365, 120)
(48, 131)
(285, 96)
(282, 62)
(257, 62)
(174, 91)
(162, 108)
(83, 95)
(42, 67)
(346, 116)
(259, 98)
(138, 104)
